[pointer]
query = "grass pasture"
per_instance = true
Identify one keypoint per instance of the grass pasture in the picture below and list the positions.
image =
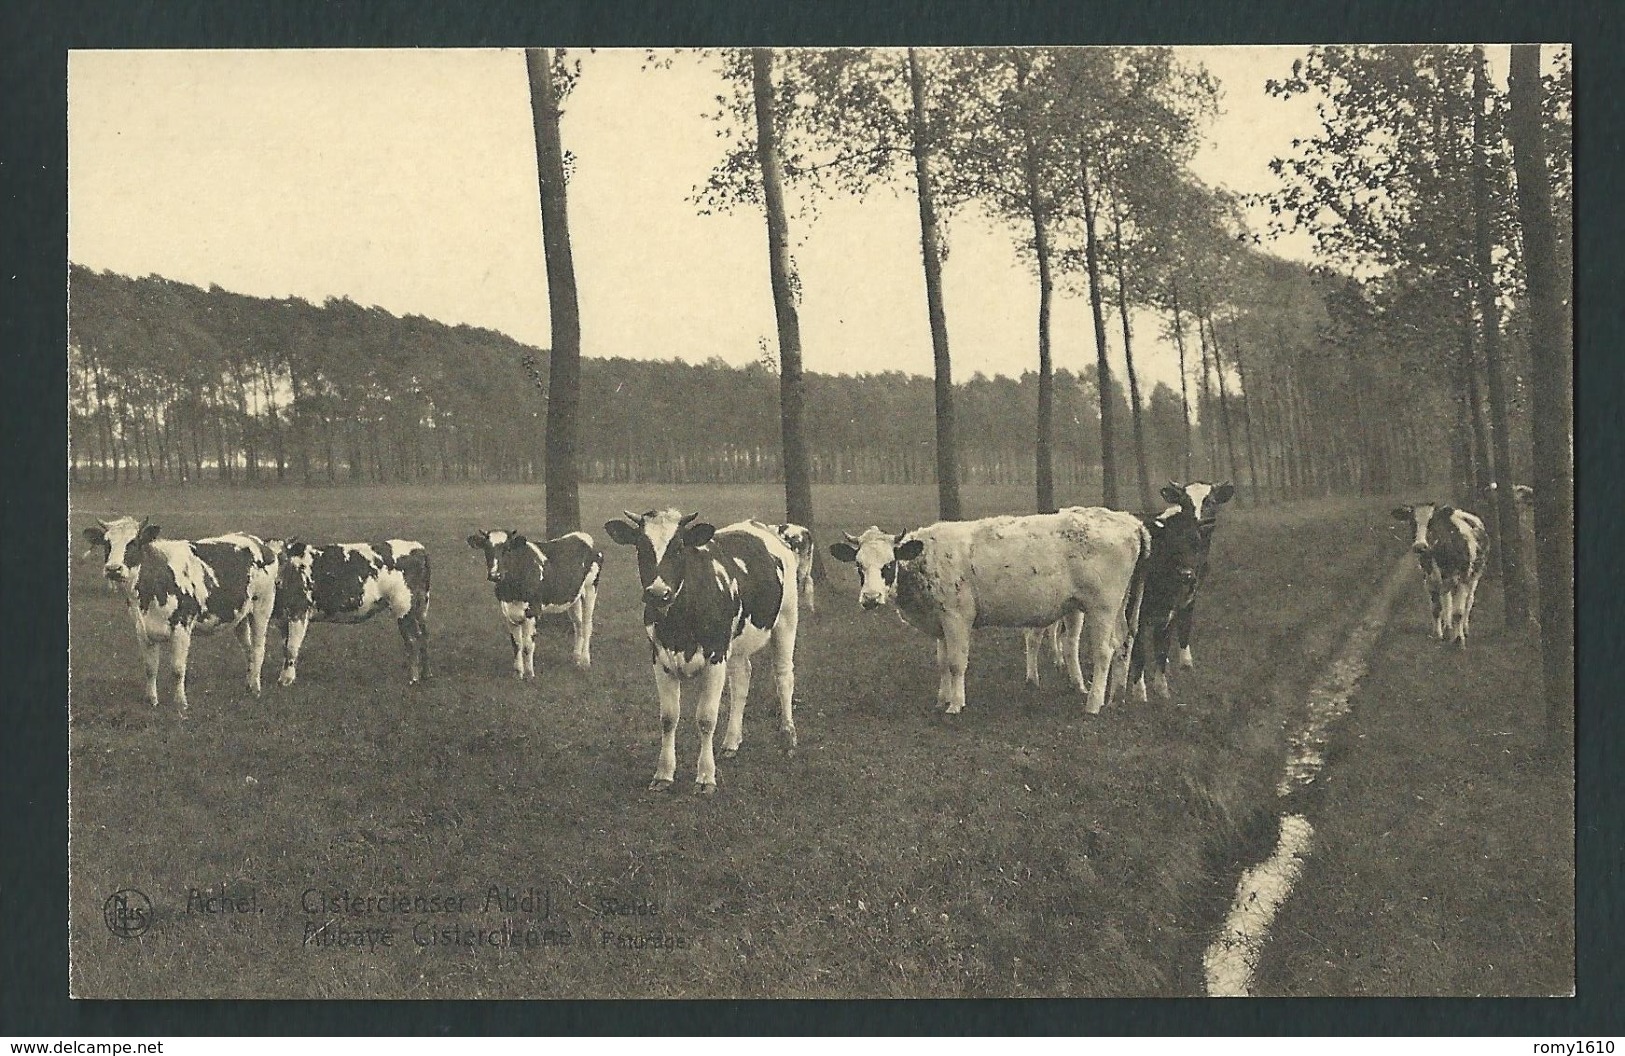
(1020, 848)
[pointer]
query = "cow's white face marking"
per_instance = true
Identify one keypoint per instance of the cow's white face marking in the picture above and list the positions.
(660, 528)
(1199, 493)
(877, 567)
(122, 558)
(1421, 514)
(497, 540)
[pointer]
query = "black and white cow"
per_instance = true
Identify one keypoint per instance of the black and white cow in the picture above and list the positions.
(711, 599)
(1171, 573)
(949, 577)
(350, 583)
(1452, 547)
(800, 540)
(177, 587)
(1202, 501)
(560, 575)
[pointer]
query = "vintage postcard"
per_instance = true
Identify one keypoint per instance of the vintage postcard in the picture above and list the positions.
(792, 522)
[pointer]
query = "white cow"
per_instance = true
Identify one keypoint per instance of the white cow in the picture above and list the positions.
(948, 577)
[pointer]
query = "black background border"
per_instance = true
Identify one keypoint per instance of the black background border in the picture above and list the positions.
(33, 584)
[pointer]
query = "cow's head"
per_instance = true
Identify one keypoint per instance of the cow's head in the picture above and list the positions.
(1418, 515)
(293, 553)
(495, 545)
(121, 542)
(664, 539)
(1177, 543)
(877, 553)
(1199, 499)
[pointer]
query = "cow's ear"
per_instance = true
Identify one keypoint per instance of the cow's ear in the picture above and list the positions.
(1402, 513)
(97, 536)
(1224, 492)
(843, 552)
(698, 534)
(910, 550)
(148, 533)
(1172, 492)
(622, 532)
(477, 540)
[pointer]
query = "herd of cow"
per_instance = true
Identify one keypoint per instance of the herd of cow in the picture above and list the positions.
(714, 597)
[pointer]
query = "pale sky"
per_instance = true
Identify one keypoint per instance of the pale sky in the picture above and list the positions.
(407, 179)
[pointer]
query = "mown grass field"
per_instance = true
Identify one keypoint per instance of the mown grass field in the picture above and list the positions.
(1444, 849)
(1020, 848)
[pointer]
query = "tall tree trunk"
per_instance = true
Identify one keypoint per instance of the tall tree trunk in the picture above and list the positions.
(1550, 363)
(1224, 399)
(564, 312)
(1210, 429)
(1184, 384)
(1135, 415)
(931, 253)
(1510, 539)
(798, 500)
(1043, 450)
(1246, 414)
(1103, 370)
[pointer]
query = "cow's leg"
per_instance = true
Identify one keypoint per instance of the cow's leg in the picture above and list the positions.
(1467, 610)
(810, 592)
(1435, 598)
(1138, 651)
(943, 689)
(244, 632)
(517, 638)
(1101, 627)
(1066, 646)
(1184, 624)
(589, 603)
(293, 639)
(1464, 596)
(1447, 598)
(1032, 640)
(670, 691)
(152, 656)
(956, 653)
(1057, 644)
(738, 690)
(180, 647)
(413, 634)
(706, 708)
(259, 620)
(528, 634)
(1161, 642)
(784, 676)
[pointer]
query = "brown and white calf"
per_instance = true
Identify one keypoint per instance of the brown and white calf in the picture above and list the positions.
(800, 540)
(952, 576)
(1451, 546)
(712, 598)
(560, 575)
(177, 587)
(350, 583)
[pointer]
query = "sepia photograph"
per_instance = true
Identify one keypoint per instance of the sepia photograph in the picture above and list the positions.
(791, 522)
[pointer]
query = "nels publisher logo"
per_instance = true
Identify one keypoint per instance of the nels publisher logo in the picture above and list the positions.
(127, 913)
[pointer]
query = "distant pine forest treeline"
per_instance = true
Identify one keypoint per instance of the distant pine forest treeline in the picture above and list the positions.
(169, 383)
